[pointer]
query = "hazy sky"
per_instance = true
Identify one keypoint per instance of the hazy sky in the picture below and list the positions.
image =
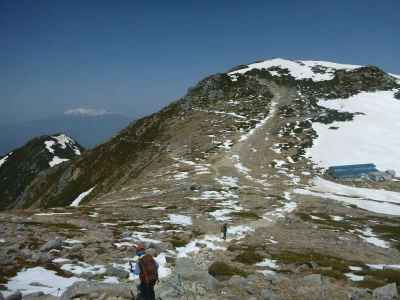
(133, 57)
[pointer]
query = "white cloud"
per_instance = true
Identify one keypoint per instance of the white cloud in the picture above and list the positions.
(86, 112)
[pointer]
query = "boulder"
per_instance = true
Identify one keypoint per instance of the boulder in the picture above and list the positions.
(313, 279)
(120, 273)
(238, 281)
(26, 253)
(76, 248)
(186, 269)
(268, 294)
(1, 296)
(52, 244)
(15, 296)
(387, 292)
(96, 290)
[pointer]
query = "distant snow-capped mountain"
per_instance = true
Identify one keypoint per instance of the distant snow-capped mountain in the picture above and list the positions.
(19, 167)
(90, 127)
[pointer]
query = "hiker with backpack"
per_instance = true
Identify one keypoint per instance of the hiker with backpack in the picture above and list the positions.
(147, 269)
(224, 230)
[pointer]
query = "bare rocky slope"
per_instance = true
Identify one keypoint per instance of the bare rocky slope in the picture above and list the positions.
(234, 149)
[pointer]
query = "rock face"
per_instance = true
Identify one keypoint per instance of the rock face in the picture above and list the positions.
(21, 166)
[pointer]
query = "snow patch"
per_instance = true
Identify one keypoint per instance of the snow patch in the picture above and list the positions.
(53, 214)
(371, 137)
(49, 282)
(370, 237)
(82, 196)
(82, 267)
(56, 161)
(139, 236)
(222, 214)
(208, 242)
(355, 268)
(298, 69)
(354, 277)
(383, 267)
(181, 175)
(269, 263)
(231, 182)
(179, 220)
(4, 159)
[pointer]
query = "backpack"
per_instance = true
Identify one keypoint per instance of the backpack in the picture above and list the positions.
(148, 269)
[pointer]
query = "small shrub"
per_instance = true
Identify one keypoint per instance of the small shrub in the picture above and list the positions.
(178, 242)
(223, 270)
(248, 257)
(247, 215)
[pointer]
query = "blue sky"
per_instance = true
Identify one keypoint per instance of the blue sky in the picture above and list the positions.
(134, 57)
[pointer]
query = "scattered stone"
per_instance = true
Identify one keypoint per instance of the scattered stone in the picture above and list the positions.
(52, 244)
(387, 292)
(360, 294)
(76, 247)
(268, 294)
(120, 273)
(26, 253)
(313, 279)
(186, 269)
(238, 281)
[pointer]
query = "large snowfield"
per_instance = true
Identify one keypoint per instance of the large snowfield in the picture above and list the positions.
(372, 137)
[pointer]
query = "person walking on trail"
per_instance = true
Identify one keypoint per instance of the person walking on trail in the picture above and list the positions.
(224, 230)
(147, 269)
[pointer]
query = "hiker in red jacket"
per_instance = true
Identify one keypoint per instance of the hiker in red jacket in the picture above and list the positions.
(147, 269)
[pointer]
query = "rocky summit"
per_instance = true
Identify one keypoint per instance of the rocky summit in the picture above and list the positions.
(250, 148)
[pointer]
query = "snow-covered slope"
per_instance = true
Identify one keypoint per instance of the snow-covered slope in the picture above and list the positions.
(299, 69)
(371, 137)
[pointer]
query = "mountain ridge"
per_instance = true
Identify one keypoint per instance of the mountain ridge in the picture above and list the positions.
(211, 92)
(243, 149)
